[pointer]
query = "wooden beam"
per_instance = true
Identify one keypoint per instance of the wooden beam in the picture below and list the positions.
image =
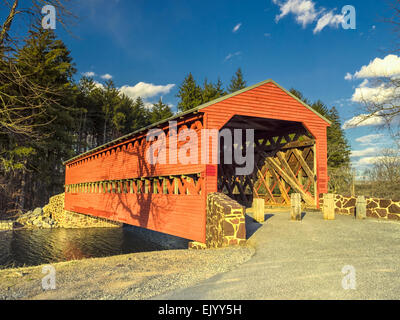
(281, 186)
(298, 144)
(316, 191)
(304, 165)
(259, 172)
(292, 182)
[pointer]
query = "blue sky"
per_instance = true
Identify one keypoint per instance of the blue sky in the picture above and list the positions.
(148, 47)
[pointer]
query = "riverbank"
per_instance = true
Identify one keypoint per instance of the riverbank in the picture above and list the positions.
(132, 276)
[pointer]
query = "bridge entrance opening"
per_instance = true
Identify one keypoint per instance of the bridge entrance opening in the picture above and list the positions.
(284, 162)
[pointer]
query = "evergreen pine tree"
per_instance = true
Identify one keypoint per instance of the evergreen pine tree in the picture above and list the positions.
(160, 111)
(46, 63)
(237, 82)
(338, 146)
(140, 115)
(190, 94)
(212, 91)
(110, 104)
(90, 121)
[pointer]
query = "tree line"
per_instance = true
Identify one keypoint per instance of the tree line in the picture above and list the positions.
(47, 117)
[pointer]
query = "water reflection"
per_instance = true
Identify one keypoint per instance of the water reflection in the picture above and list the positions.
(34, 247)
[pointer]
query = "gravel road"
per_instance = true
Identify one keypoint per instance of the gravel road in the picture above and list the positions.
(132, 276)
(311, 259)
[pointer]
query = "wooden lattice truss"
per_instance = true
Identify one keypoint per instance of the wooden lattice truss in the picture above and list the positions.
(284, 163)
(190, 184)
(147, 182)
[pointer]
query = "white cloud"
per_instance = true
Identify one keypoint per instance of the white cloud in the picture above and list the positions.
(386, 67)
(237, 27)
(372, 151)
(365, 162)
(267, 35)
(328, 19)
(89, 74)
(231, 55)
(380, 91)
(303, 10)
(148, 105)
(363, 120)
(145, 90)
(306, 12)
(380, 94)
(98, 85)
(369, 160)
(348, 76)
(370, 139)
(106, 76)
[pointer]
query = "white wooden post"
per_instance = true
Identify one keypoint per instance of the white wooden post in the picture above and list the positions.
(295, 202)
(328, 208)
(361, 207)
(258, 209)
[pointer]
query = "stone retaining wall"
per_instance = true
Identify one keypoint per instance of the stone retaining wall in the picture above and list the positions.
(73, 220)
(376, 207)
(225, 223)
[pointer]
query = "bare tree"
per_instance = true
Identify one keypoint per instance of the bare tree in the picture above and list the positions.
(380, 99)
(23, 102)
(33, 11)
(384, 176)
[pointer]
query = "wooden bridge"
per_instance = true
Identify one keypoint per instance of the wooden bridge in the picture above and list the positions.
(115, 181)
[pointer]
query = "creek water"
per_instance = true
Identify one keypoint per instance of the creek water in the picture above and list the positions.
(34, 247)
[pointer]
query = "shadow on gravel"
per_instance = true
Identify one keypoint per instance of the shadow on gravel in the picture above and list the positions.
(268, 216)
(252, 225)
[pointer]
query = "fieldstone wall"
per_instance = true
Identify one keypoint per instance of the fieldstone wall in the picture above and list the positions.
(376, 207)
(225, 223)
(72, 220)
(6, 225)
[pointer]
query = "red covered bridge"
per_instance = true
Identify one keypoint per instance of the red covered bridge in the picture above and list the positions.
(115, 181)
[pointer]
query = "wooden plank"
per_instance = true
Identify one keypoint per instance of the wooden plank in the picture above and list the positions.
(281, 186)
(293, 183)
(261, 175)
(304, 165)
(298, 144)
(316, 191)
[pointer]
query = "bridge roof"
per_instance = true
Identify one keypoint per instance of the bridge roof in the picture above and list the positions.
(193, 110)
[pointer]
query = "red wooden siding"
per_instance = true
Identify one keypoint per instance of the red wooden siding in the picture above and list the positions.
(182, 214)
(270, 101)
(179, 215)
(128, 161)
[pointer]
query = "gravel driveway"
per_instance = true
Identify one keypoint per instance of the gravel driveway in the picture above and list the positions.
(304, 260)
(131, 276)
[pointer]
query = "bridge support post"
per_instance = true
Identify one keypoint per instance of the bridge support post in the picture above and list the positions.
(361, 208)
(328, 208)
(295, 203)
(259, 209)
